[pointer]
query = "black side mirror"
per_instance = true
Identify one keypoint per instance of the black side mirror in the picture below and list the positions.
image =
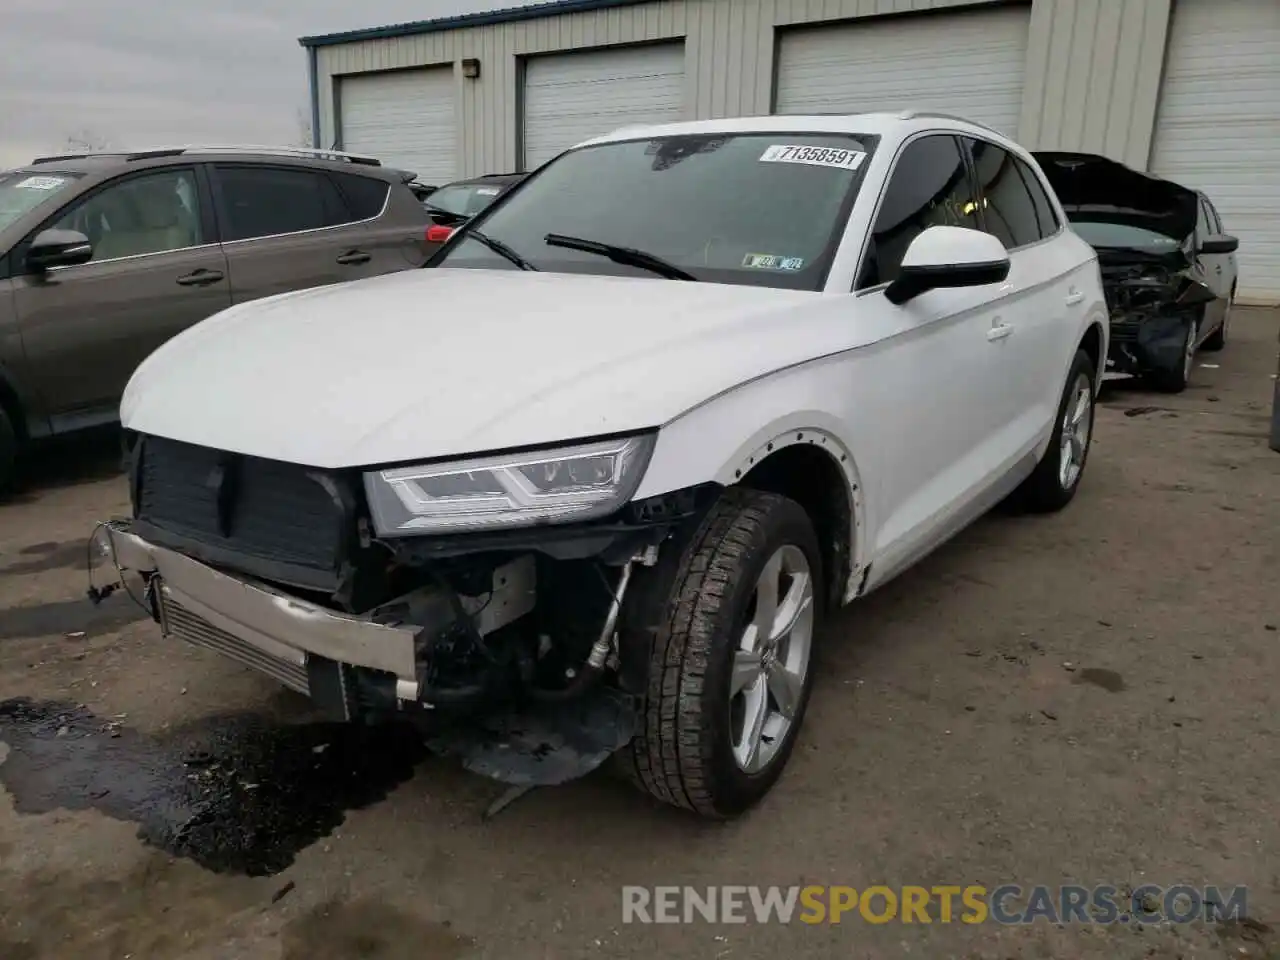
(1220, 244)
(58, 248)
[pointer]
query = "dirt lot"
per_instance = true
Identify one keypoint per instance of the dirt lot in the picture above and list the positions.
(1090, 698)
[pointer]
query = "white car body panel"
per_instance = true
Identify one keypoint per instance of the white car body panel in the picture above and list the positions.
(931, 408)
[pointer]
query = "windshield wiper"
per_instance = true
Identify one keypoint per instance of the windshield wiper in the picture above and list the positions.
(501, 249)
(626, 256)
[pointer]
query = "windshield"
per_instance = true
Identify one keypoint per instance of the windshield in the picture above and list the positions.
(463, 200)
(1123, 235)
(22, 191)
(756, 209)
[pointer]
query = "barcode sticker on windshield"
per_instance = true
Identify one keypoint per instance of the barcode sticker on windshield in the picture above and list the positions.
(814, 156)
(41, 183)
(487, 191)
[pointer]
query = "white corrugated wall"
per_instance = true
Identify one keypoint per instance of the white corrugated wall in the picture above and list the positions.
(1218, 125)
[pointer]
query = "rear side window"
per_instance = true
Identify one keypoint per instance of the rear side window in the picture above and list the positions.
(365, 196)
(929, 187)
(1044, 206)
(1008, 209)
(269, 201)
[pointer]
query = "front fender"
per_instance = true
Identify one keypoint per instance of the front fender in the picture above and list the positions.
(722, 439)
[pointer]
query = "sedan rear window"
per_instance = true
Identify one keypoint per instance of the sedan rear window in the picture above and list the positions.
(21, 191)
(463, 200)
(757, 209)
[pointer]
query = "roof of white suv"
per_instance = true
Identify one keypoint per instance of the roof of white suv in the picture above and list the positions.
(894, 125)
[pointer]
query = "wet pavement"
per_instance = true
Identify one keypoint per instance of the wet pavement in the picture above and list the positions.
(236, 794)
(1089, 697)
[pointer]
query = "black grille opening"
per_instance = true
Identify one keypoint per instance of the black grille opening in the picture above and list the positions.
(246, 507)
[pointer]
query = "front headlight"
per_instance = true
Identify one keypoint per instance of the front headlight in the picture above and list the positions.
(563, 485)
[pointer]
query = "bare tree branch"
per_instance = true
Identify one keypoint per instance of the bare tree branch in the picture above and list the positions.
(86, 141)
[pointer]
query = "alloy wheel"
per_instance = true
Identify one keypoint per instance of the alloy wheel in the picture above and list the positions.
(771, 662)
(1077, 424)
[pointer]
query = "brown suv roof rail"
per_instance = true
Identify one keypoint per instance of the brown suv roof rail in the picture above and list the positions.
(128, 155)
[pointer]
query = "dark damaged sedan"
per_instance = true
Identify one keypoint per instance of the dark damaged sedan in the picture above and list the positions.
(1168, 269)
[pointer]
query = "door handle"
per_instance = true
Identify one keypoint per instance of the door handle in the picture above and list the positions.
(354, 257)
(1074, 297)
(200, 278)
(999, 331)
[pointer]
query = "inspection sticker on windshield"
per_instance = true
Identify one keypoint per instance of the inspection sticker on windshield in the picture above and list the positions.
(814, 156)
(41, 183)
(767, 261)
(487, 191)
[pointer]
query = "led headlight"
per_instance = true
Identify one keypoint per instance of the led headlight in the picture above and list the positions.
(562, 485)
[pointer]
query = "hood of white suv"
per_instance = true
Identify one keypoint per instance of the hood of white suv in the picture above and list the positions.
(443, 362)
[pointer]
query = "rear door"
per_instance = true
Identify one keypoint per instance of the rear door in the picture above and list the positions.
(286, 228)
(156, 270)
(392, 219)
(1043, 298)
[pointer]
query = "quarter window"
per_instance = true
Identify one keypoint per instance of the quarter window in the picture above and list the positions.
(269, 201)
(365, 196)
(930, 186)
(1008, 208)
(152, 213)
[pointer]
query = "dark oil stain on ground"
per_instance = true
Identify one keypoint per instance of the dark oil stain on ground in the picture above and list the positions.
(237, 794)
(48, 556)
(69, 616)
(369, 929)
(1108, 680)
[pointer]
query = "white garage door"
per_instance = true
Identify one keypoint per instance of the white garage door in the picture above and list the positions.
(571, 97)
(969, 63)
(1218, 125)
(406, 119)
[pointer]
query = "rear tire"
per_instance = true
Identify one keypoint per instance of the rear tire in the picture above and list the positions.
(1056, 478)
(716, 682)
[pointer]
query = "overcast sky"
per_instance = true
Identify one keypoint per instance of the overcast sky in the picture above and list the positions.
(141, 73)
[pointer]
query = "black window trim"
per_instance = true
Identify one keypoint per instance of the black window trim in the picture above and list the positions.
(220, 203)
(981, 190)
(884, 189)
(208, 221)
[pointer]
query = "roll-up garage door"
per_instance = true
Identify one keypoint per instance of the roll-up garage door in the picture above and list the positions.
(970, 63)
(571, 97)
(406, 119)
(1218, 125)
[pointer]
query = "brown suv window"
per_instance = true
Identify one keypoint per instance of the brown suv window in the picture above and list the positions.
(151, 213)
(270, 201)
(365, 196)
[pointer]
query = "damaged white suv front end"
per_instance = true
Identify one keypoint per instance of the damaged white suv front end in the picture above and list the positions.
(587, 484)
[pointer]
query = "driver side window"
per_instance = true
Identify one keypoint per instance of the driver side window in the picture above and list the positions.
(152, 213)
(930, 186)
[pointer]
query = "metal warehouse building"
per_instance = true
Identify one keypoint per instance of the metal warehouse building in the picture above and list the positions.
(1187, 88)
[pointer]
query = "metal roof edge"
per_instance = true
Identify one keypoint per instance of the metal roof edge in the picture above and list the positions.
(481, 19)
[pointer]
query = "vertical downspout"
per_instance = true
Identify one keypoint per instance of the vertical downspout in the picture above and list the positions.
(315, 96)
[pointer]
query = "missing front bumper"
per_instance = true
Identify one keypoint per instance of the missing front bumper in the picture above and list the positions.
(303, 645)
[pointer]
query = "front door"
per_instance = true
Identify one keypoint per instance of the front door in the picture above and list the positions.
(154, 272)
(935, 363)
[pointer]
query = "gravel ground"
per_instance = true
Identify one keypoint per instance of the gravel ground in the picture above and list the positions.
(1087, 698)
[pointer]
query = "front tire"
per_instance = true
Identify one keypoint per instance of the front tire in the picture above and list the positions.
(1176, 380)
(1056, 478)
(730, 670)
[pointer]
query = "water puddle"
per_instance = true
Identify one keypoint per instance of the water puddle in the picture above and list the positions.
(237, 794)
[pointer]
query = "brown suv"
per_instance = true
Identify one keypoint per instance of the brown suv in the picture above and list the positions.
(104, 257)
